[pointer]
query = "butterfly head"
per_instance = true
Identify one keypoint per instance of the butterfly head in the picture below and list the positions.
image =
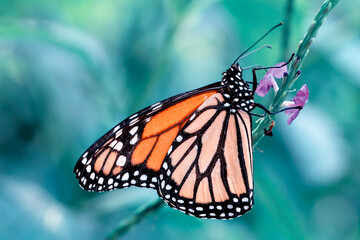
(236, 92)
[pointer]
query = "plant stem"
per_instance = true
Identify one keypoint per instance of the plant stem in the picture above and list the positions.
(125, 225)
(294, 66)
(287, 26)
(258, 132)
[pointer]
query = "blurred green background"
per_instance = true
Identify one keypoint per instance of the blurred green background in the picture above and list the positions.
(71, 70)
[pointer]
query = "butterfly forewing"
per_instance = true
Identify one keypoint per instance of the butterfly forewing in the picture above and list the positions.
(132, 153)
(208, 170)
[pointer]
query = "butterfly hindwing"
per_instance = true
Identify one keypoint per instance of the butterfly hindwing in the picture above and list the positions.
(208, 170)
(132, 153)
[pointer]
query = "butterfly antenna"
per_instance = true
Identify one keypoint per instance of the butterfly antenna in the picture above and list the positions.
(254, 51)
(278, 25)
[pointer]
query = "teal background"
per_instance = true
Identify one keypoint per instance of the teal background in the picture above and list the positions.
(71, 70)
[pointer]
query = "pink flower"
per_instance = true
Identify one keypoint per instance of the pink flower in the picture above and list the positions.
(269, 80)
(301, 97)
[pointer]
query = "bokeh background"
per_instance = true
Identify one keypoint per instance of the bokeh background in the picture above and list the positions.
(71, 70)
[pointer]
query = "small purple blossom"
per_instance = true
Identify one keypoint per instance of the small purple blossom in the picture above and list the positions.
(269, 80)
(301, 97)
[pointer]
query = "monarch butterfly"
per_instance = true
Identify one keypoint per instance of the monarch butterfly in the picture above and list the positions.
(194, 148)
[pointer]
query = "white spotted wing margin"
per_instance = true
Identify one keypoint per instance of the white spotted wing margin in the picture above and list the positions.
(208, 171)
(107, 165)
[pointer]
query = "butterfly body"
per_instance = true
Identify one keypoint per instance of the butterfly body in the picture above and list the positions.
(236, 91)
(195, 149)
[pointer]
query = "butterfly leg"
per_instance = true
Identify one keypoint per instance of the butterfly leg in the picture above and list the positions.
(258, 115)
(267, 111)
(262, 68)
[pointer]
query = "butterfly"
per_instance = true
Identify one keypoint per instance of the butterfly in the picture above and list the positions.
(194, 149)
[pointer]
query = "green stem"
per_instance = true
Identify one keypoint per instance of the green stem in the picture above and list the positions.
(125, 225)
(287, 26)
(258, 132)
(295, 66)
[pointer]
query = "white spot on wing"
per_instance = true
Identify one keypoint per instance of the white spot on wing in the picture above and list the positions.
(157, 107)
(101, 180)
(134, 121)
(112, 144)
(170, 149)
(134, 140)
(116, 128)
(121, 161)
(156, 104)
(133, 116)
(118, 133)
(125, 177)
(118, 146)
(133, 130)
(165, 166)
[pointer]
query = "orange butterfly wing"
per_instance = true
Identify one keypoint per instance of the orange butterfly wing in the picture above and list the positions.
(132, 152)
(208, 171)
